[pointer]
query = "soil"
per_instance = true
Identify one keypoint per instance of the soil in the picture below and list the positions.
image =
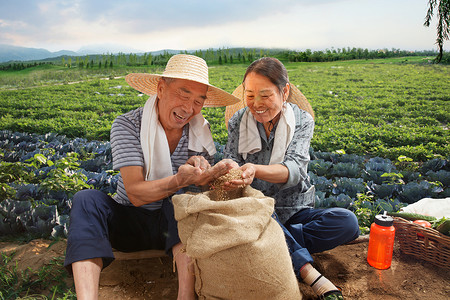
(345, 266)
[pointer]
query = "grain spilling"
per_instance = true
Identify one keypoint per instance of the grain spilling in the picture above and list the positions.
(217, 191)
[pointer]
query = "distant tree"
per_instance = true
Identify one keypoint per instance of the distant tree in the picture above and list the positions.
(220, 60)
(443, 19)
(149, 59)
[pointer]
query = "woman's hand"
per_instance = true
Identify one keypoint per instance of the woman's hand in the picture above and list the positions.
(198, 171)
(248, 174)
(231, 163)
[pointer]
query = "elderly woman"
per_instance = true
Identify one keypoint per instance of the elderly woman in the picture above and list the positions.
(269, 139)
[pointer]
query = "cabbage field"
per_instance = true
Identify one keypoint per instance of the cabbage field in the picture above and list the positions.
(381, 139)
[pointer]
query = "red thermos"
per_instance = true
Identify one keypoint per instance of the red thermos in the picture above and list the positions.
(381, 242)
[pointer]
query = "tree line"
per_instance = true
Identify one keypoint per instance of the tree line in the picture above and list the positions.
(350, 54)
(18, 66)
(244, 56)
(223, 56)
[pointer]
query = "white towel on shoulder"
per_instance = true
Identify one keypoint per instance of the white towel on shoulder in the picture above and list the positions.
(250, 140)
(155, 146)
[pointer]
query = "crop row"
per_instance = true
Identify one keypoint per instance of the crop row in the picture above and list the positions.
(39, 175)
(362, 107)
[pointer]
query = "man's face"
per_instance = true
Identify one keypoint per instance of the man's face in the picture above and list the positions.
(179, 101)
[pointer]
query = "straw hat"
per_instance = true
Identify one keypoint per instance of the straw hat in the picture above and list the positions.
(182, 66)
(295, 96)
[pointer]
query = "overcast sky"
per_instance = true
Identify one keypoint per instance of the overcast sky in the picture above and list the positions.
(147, 25)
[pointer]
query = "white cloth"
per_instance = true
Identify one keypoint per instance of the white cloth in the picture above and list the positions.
(437, 208)
(155, 146)
(250, 141)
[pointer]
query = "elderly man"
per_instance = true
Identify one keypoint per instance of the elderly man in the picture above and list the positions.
(160, 149)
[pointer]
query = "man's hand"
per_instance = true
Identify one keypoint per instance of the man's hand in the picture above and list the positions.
(198, 171)
(198, 161)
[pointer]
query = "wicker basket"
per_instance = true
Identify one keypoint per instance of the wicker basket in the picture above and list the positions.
(424, 243)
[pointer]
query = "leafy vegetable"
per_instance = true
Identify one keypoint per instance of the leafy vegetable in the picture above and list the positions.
(443, 226)
(434, 165)
(442, 176)
(319, 166)
(414, 191)
(385, 190)
(348, 186)
(349, 169)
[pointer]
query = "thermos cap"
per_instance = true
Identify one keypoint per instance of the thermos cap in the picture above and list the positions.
(384, 220)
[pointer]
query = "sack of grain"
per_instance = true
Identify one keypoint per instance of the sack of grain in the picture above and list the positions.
(238, 249)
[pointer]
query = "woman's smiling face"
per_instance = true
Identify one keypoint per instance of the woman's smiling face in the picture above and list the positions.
(179, 101)
(263, 98)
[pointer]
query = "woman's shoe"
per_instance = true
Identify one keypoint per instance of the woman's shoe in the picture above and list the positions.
(332, 295)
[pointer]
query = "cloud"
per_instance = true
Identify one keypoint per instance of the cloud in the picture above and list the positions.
(194, 24)
(88, 20)
(340, 24)
(143, 15)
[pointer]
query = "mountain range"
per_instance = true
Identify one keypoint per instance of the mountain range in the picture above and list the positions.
(16, 53)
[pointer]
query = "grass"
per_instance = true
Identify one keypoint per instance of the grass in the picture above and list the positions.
(44, 75)
(49, 282)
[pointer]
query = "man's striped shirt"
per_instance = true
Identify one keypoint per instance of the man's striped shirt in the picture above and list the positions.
(127, 151)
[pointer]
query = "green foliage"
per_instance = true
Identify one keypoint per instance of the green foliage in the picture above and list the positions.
(362, 207)
(393, 178)
(443, 21)
(6, 191)
(384, 108)
(216, 117)
(407, 164)
(64, 175)
(442, 225)
(29, 284)
(14, 172)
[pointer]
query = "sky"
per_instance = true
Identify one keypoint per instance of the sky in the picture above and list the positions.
(147, 25)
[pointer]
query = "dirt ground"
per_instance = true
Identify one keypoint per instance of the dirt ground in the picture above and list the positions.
(346, 266)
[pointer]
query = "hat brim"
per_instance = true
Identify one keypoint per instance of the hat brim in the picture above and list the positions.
(295, 96)
(148, 83)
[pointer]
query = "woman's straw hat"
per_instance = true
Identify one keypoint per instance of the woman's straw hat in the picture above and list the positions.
(182, 66)
(295, 96)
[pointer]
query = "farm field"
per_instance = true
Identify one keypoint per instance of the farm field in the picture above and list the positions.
(384, 108)
(381, 140)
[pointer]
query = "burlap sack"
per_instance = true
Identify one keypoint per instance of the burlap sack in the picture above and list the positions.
(239, 250)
